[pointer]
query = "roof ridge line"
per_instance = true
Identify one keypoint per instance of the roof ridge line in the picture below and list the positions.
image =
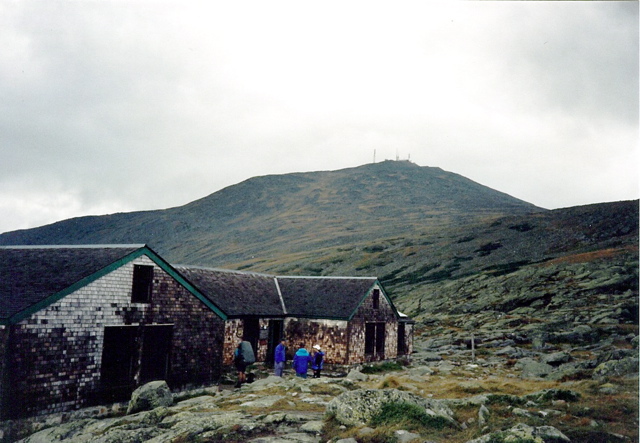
(326, 277)
(284, 306)
(230, 271)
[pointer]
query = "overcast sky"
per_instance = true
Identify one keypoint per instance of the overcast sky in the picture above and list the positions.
(117, 106)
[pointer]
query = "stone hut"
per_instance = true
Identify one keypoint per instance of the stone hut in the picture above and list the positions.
(82, 325)
(351, 318)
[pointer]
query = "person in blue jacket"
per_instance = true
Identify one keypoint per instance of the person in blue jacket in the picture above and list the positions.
(280, 357)
(318, 361)
(301, 361)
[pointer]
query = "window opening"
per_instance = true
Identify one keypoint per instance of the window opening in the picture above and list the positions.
(142, 284)
(376, 298)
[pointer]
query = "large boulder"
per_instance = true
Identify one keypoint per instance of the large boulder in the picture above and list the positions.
(532, 368)
(355, 408)
(556, 358)
(356, 375)
(617, 368)
(150, 396)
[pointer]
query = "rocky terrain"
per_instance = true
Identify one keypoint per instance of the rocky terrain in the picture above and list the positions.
(576, 385)
(546, 352)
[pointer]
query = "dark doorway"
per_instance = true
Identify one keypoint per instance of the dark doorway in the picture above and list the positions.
(118, 362)
(155, 353)
(374, 339)
(380, 337)
(252, 333)
(276, 328)
(402, 344)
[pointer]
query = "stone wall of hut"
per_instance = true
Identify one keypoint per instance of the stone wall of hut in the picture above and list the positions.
(369, 313)
(54, 364)
(330, 335)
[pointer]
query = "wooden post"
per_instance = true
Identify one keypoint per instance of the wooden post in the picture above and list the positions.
(473, 348)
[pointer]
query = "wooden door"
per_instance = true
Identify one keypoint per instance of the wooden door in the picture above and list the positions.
(119, 358)
(156, 351)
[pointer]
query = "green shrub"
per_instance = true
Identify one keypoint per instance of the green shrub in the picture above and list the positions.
(504, 399)
(382, 367)
(407, 415)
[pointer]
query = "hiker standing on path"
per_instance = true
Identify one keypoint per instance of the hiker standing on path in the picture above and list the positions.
(301, 361)
(280, 358)
(243, 356)
(318, 361)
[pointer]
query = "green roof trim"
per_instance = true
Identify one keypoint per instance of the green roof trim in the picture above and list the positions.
(184, 282)
(143, 250)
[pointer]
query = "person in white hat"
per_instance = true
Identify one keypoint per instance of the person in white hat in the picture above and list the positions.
(318, 361)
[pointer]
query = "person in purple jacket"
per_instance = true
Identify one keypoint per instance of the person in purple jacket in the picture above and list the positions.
(317, 361)
(280, 358)
(301, 361)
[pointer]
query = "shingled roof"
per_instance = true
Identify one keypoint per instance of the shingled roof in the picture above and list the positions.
(242, 294)
(32, 277)
(324, 297)
(32, 274)
(236, 293)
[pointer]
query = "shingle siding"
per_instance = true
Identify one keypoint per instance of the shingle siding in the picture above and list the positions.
(56, 353)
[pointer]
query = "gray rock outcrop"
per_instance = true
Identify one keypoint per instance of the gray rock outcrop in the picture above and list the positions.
(523, 432)
(358, 407)
(150, 396)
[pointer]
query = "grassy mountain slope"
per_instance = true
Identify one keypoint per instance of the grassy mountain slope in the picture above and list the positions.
(273, 215)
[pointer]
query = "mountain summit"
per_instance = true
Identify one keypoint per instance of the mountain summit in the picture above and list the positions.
(291, 213)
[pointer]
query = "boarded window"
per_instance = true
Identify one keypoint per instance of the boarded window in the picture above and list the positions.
(376, 298)
(374, 338)
(142, 284)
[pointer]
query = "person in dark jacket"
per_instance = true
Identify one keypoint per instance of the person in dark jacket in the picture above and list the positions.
(318, 361)
(301, 361)
(280, 357)
(242, 357)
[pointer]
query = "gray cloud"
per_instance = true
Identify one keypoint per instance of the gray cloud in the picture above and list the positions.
(119, 106)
